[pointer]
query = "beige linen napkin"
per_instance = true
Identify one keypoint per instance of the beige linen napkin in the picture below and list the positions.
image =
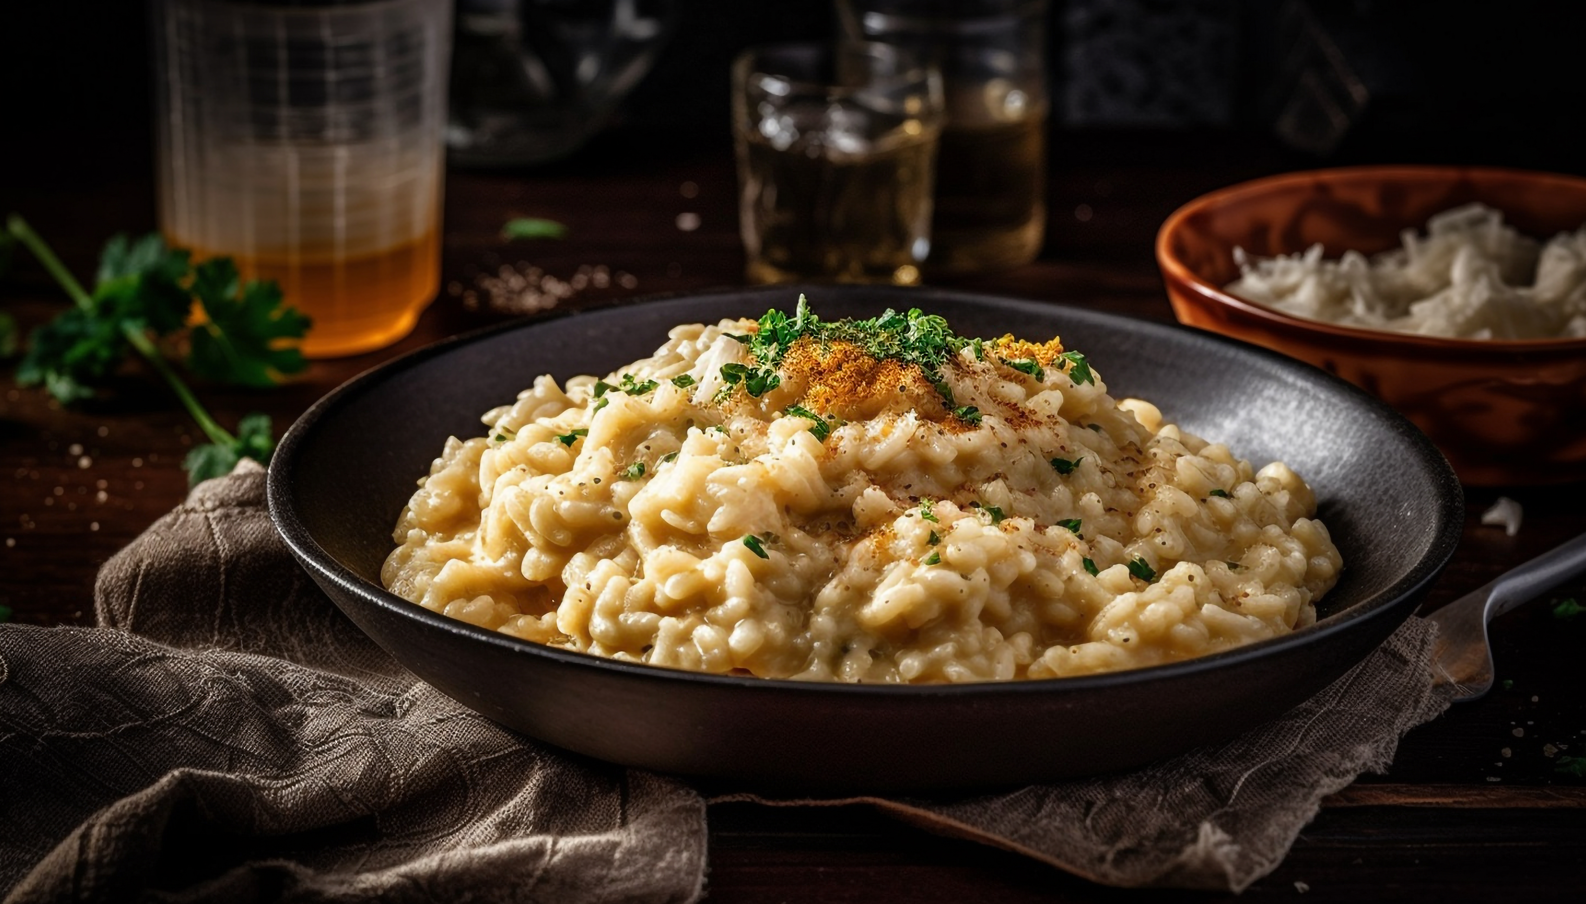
(227, 735)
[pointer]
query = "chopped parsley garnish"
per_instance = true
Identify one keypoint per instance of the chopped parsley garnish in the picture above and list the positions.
(1220, 493)
(1090, 567)
(1028, 366)
(633, 471)
(821, 428)
(934, 558)
(926, 513)
(670, 456)
(1079, 368)
(992, 510)
(599, 402)
(567, 439)
(933, 539)
(632, 387)
(1072, 526)
(627, 385)
(1567, 608)
(1142, 569)
(682, 381)
(923, 340)
(504, 436)
(755, 546)
(978, 346)
(1064, 466)
(757, 381)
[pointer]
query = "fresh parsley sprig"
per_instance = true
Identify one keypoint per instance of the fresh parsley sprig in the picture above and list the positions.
(143, 291)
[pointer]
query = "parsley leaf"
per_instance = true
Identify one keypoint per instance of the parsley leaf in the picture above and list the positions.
(670, 456)
(1064, 466)
(1220, 493)
(996, 513)
(1071, 525)
(933, 539)
(821, 428)
(1142, 569)
(567, 439)
(756, 546)
(1028, 366)
(144, 287)
(632, 472)
(532, 228)
(1090, 567)
(682, 381)
(218, 459)
(1571, 765)
(242, 338)
(634, 387)
(1079, 368)
(934, 558)
(925, 511)
(969, 414)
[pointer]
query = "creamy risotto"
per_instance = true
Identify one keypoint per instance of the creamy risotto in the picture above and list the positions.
(859, 501)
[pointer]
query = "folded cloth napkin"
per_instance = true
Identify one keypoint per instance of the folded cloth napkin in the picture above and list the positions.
(227, 735)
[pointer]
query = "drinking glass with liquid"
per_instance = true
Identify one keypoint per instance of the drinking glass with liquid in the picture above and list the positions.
(990, 198)
(302, 139)
(836, 152)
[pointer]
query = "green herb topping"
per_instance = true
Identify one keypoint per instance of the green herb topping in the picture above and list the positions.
(670, 456)
(821, 428)
(1220, 493)
(1028, 366)
(1567, 608)
(992, 510)
(1090, 567)
(682, 381)
(1079, 368)
(933, 539)
(755, 546)
(633, 471)
(1071, 525)
(1064, 466)
(934, 558)
(567, 439)
(1142, 569)
(925, 511)
(969, 414)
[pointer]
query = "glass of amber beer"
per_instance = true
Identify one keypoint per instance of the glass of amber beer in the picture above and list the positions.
(304, 141)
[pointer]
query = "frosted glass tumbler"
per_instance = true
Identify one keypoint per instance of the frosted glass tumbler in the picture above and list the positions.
(304, 141)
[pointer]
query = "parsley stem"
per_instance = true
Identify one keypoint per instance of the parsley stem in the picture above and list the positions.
(24, 233)
(141, 342)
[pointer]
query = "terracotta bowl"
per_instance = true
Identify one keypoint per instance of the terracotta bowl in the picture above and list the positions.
(1504, 412)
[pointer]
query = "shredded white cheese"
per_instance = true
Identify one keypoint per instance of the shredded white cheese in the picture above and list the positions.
(1505, 513)
(1471, 276)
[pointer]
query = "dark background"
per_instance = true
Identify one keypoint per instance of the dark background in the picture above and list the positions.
(1467, 81)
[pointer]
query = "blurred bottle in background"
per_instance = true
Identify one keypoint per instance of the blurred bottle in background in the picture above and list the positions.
(990, 202)
(532, 80)
(304, 141)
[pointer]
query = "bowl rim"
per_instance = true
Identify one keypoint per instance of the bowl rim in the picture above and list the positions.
(281, 501)
(1175, 268)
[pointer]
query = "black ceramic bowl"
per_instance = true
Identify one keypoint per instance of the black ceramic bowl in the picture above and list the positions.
(345, 469)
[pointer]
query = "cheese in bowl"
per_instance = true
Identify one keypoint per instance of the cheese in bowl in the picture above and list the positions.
(860, 501)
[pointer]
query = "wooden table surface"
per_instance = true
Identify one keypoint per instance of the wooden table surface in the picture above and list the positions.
(1476, 804)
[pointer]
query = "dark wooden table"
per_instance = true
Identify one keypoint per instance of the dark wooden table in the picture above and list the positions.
(1475, 806)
